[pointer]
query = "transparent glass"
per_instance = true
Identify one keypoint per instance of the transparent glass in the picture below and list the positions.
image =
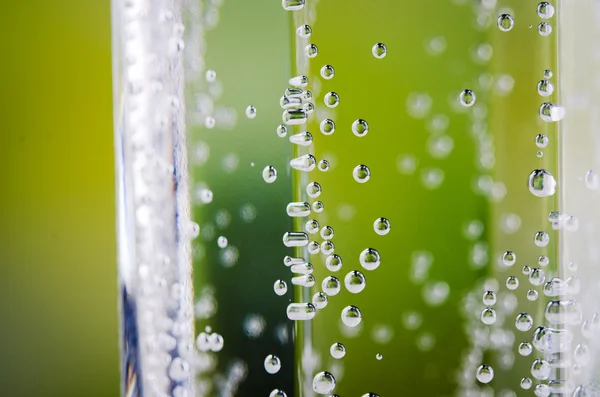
(323, 197)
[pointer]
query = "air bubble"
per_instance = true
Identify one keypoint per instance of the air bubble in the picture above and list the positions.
(323, 383)
(537, 277)
(327, 72)
(333, 263)
(318, 206)
(222, 242)
(512, 283)
(298, 209)
(301, 311)
(295, 239)
(524, 322)
(379, 50)
(361, 173)
(547, 74)
(269, 174)
(337, 350)
(313, 189)
(509, 258)
(485, 373)
(526, 383)
(332, 99)
(541, 183)
(323, 165)
(489, 298)
(525, 349)
(545, 10)
(592, 180)
(545, 88)
(251, 112)
(351, 316)
(505, 22)
(303, 138)
(467, 98)
(540, 369)
(488, 316)
(360, 127)
(280, 287)
(541, 239)
(550, 112)
(544, 29)
(304, 31)
(327, 233)
(319, 300)
(331, 285)
(532, 295)
(311, 50)
(281, 131)
(382, 226)
(299, 81)
(369, 259)
(272, 364)
(292, 5)
(210, 75)
(541, 141)
(355, 282)
(327, 127)
(304, 163)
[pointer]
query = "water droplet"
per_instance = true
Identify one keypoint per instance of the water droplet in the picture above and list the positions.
(541, 239)
(360, 127)
(311, 50)
(280, 287)
(369, 259)
(323, 383)
(210, 75)
(272, 364)
(299, 81)
(532, 295)
(277, 393)
(545, 88)
(298, 209)
(488, 316)
(526, 383)
(295, 239)
(269, 174)
(301, 311)
(304, 31)
(337, 350)
(485, 373)
(327, 127)
(544, 29)
(327, 72)
(333, 263)
(547, 74)
(331, 285)
(541, 183)
(323, 165)
(382, 226)
(302, 139)
(540, 369)
(304, 163)
(319, 300)
(292, 5)
(332, 99)
(318, 206)
(550, 112)
(251, 112)
(509, 258)
(294, 116)
(524, 322)
(467, 98)
(355, 281)
(525, 349)
(505, 22)
(361, 173)
(379, 50)
(545, 10)
(351, 316)
(313, 189)
(541, 140)
(489, 298)
(512, 283)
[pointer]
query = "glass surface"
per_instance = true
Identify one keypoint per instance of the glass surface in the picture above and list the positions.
(343, 198)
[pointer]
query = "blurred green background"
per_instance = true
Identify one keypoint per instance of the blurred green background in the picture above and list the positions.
(57, 242)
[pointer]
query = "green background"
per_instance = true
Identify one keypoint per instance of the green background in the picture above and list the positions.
(58, 333)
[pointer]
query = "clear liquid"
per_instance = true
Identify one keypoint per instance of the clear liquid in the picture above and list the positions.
(431, 234)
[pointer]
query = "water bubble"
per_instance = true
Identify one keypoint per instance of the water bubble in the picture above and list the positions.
(222, 242)
(370, 259)
(467, 98)
(318, 206)
(281, 131)
(319, 300)
(298, 209)
(505, 22)
(210, 75)
(485, 373)
(311, 50)
(541, 140)
(323, 383)
(436, 293)
(294, 116)
(542, 390)
(525, 348)
(540, 369)
(524, 322)
(512, 283)
(361, 173)
(299, 81)
(440, 146)
(307, 280)
(304, 31)
(489, 298)
(550, 112)
(337, 350)
(295, 239)
(526, 270)
(412, 320)
(280, 287)
(545, 88)
(323, 165)
(269, 174)
(543, 260)
(592, 180)
(547, 74)
(292, 5)
(332, 99)
(301, 311)
(331, 285)
(314, 247)
(313, 189)
(327, 233)
(379, 356)
(304, 163)
(537, 277)
(327, 72)
(526, 383)
(564, 312)
(308, 107)
(355, 281)
(277, 393)
(544, 29)
(360, 127)
(333, 263)
(327, 127)
(545, 10)
(251, 112)
(541, 239)
(302, 268)
(303, 138)
(351, 316)
(327, 247)
(509, 258)
(582, 354)
(488, 316)
(272, 364)
(541, 183)
(532, 295)
(379, 50)
(179, 370)
(382, 226)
